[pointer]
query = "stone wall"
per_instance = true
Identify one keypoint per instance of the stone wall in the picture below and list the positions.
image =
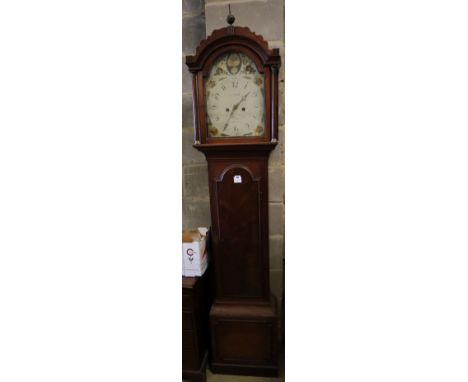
(265, 17)
(195, 197)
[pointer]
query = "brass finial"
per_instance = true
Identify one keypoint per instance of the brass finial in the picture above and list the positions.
(230, 17)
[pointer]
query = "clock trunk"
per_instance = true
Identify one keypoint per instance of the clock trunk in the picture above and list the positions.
(243, 318)
(239, 212)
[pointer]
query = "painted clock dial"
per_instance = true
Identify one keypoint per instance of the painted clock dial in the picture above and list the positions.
(235, 103)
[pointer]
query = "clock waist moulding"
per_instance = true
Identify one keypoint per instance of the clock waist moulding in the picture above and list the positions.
(235, 102)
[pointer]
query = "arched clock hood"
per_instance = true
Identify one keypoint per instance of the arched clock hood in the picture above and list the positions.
(268, 61)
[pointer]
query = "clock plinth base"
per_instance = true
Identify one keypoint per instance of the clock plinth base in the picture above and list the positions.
(234, 369)
(245, 338)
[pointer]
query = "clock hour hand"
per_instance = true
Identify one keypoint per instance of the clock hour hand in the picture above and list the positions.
(234, 108)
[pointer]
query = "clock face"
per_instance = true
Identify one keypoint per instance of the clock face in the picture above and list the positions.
(235, 105)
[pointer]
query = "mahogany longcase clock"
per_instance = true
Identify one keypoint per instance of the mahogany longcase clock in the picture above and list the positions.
(235, 101)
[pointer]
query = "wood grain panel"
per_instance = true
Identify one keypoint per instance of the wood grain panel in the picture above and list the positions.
(239, 233)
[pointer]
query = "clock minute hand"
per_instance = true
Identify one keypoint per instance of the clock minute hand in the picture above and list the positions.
(238, 103)
(234, 108)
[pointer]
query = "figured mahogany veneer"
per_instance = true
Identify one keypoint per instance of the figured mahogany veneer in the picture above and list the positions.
(239, 213)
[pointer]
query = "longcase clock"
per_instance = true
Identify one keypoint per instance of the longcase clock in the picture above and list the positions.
(235, 101)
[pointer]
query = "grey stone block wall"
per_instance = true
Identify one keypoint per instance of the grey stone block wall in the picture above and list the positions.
(195, 203)
(265, 17)
(200, 18)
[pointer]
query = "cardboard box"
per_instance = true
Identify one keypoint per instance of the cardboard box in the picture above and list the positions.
(194, 252)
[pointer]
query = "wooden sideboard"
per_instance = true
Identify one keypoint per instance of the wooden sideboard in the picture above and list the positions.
(196, 303)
